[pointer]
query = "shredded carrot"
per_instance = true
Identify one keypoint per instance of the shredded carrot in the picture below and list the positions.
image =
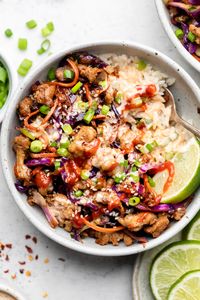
(196, 57)
(46, 155)
(46, 119)
(31, 127)
(147, 185)
(88, 95)
(76, 76)
(102, 229)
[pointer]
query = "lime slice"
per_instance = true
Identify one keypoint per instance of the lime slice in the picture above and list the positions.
(192, 231)
(171, 263)
(187, 287)
(187, 175)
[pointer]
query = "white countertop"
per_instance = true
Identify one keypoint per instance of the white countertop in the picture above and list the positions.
(80, 276)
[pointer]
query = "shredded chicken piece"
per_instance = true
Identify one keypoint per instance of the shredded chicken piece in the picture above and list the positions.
(195, 30)
(126, 136)
(25, 106)
(106, 238)
(44, 94)
(158, 227)
(135, 222)
(179, 213)
(105, 197)
(105, 158)
(81, 143)
(89, 72)
(22, 172)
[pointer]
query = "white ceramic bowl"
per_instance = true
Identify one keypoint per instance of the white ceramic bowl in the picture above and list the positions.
(12, 82)
(4, 287)
(184, 88)
(170, 28)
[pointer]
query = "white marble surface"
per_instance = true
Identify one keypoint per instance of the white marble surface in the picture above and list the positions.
(80, 276)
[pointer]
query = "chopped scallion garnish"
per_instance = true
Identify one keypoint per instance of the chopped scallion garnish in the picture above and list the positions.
(105, 109)
(151, 181)
(141, 65)
(68, 74)
(8, 32)
(24, 67)
(51, 75)
(44, 109)
(31, 24)
(36, 146)
(179, 33)
(67, 128)
(89, 115)
(133, 201)
(22, 44)
(85, 174)
(76, 87)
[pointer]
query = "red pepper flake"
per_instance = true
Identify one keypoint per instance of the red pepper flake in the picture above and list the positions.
(29, 249)
(21, 271)
(22, 262)
(8, 246)
(61, 259)
(2, 246)
(7, 257)
(13, 276)
(28, 273)
(36, 257)
(27, 236)
(34, 239)
(6, 271)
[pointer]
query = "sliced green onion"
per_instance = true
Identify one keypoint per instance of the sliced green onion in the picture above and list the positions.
(134, 169)
(137, 163)
(94, 105)
(133, 201)
(50, 26)
(62, 152)
(65, 144)
(78, 193)
(31, 24)
(27, 133)
(51, 75)
(89, 115)
(8, 32)
(36, 146)
(151, 181)
(22, 44)
(169, 155)
(67, 128)
(44, 47)
(76, 87)
(53, 144)
(119, 178)
(85, 174)
(24, 67)
(141, 65)
(105, 109)
(68, 74)
(135, 177)
(191, 36)
(44, 109)
(151, 147)
(124, 163)
(57, 164)
(118, 98)
(3, 74)
(45, 31)
(179, 33)
(103, 83)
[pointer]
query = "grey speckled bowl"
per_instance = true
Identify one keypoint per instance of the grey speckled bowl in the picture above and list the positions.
(184, 89)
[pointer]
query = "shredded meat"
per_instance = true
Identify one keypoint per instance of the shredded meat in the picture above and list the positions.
(105, 197)
(25, 106)
(60, 73)
(126, 136)
(44, 94)
(22, 172)
(158, 227)
(135, 222)
(82, 140)
(179, 213)
(196, 31)
(89, 72)
(105, 158)
(112, 70)
(106, 238)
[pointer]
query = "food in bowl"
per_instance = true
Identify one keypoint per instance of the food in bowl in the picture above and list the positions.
(185, 15)
(93, 137)
(4, 84)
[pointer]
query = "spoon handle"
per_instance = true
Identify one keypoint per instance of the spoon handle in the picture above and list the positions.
(189, 127)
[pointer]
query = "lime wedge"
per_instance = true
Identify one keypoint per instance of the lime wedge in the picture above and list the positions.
(187, 175)
(192, 231)
(187, 287)
(171, 263)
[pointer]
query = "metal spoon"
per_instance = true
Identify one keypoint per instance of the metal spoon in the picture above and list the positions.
(170, 101)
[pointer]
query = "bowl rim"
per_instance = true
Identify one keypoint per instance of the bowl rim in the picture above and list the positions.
(163, 16)
(11, 291)
(12, 82)
(45, 228)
